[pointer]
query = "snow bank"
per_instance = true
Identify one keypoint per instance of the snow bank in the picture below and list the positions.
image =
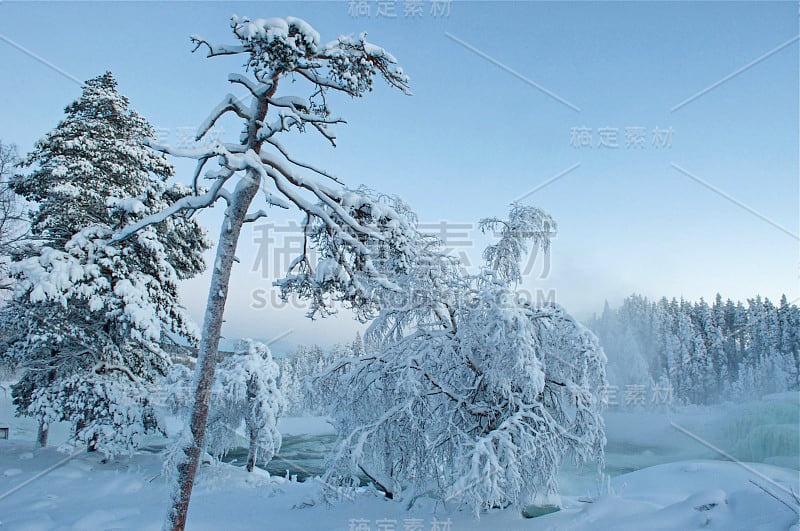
(85, 493)
(130, 493)
(686, 495)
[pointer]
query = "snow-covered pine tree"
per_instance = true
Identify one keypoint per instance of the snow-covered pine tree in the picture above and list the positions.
(700, 369)
(106, 412)
(722, 344)
(684, 341)
(290, 379)
(287, 380)
(358, 346)
(91, 312)
(713, 367)
(277, 50)
(625, 335)
(790, 338)
(707, 353)
(466, 392)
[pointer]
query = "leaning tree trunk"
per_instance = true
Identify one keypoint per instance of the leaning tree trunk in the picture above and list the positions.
(235, 215)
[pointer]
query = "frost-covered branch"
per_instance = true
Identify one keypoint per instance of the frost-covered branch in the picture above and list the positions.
(216, 49)
(307, 166)
(229, 104)
(525, 226)
(187, 203)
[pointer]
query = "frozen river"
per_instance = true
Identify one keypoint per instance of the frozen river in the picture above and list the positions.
(766, 431)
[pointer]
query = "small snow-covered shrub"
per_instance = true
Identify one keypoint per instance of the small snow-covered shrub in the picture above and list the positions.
(106, 415)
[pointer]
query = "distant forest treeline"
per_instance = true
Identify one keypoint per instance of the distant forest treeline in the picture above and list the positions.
(706, 353)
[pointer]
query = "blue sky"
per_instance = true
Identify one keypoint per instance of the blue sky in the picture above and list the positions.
(474, 137)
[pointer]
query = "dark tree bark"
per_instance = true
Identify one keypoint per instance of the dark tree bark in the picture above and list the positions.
(251, 454)
(41, 435)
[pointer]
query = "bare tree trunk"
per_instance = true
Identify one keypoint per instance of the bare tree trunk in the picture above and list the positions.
(207, 352)
(41, 435)
(252, 426)
(253, 451)
(91, 444)
(235, 215)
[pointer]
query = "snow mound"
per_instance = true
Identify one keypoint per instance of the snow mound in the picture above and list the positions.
(687, 495)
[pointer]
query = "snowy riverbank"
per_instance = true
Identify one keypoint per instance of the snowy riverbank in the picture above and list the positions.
(678, 483)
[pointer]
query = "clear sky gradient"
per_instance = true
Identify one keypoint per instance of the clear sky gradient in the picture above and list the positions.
(493, 117)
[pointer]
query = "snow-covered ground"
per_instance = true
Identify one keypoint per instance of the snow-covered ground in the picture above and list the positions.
(662, 479)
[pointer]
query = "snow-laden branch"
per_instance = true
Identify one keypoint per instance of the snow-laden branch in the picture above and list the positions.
(287, 181)
(229, 104)
(296, 162)
(288, 119)
(257, 89)
(216, 49)
(255, 216)
(322, 81)
(295, 103)
(102, 367)
(187, 203)
(231, 162)
(197, 152)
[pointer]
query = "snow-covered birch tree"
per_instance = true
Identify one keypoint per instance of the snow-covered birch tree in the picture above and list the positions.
(247, 385)
(276, 51)
(245, 392)
(468, 393)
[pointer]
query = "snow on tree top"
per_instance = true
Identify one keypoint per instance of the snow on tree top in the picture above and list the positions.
(272, 28)
(277, 46)
(304, 28)
(372, 50)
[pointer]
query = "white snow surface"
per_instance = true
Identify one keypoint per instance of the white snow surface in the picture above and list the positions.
(129, 493)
